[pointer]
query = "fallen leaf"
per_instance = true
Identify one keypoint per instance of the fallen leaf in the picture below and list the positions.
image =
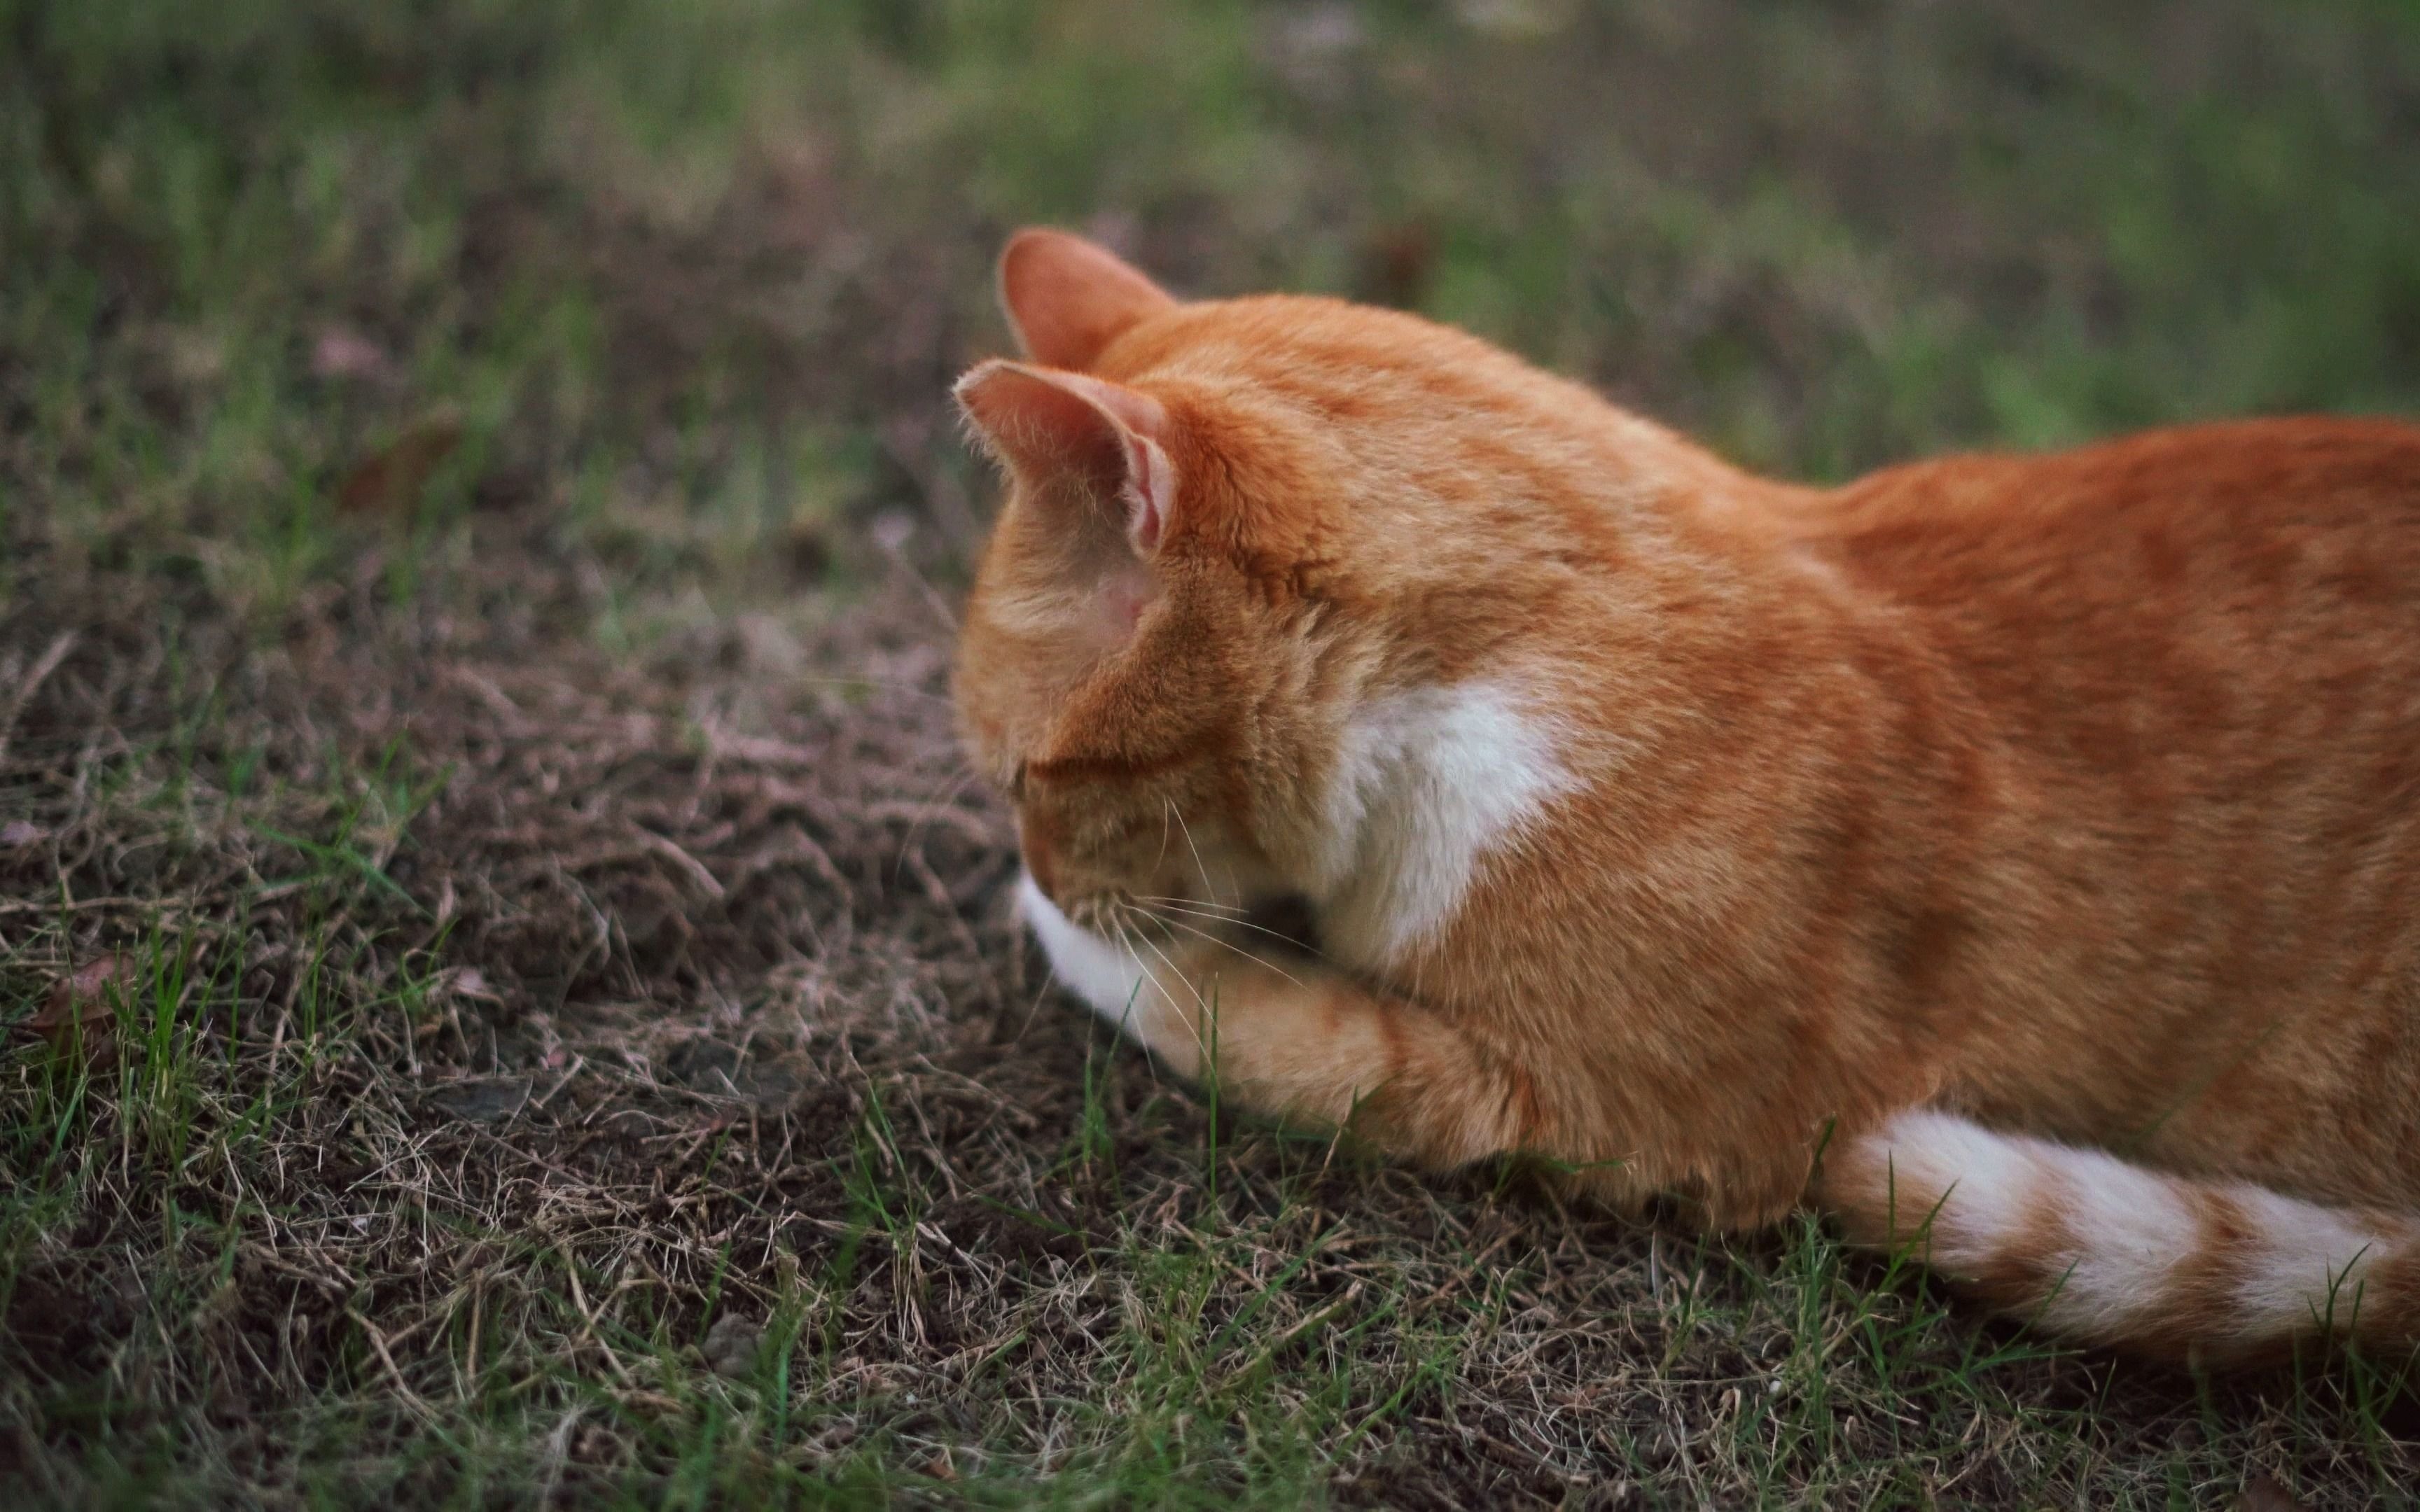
(719, 1070)
(342, 352)
(80, 1016)
(2265, 1492)
(389, 481)
(731, 1345)
(490, 1099)
(470, 981)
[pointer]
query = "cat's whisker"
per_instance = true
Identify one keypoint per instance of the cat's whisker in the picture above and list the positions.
(1237, 910)
(1165, 960)
(1257, 929)
(1230, 945)
(1198, 864)
(1134, 1005)
(1126, 1024)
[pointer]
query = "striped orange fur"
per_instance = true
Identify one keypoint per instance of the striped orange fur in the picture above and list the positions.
(2036, 837)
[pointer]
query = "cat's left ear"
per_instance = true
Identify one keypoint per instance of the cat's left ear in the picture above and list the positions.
(1078, 442)
(1069, 298)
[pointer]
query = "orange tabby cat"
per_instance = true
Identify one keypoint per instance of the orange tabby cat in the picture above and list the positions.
(2034, 840)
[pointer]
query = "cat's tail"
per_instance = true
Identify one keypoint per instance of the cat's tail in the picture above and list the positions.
(2102, 1252)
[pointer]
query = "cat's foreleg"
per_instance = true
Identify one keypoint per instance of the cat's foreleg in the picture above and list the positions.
(1295, 1039)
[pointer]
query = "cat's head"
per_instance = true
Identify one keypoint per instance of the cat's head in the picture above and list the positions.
(1228, 527)
(1127, 657)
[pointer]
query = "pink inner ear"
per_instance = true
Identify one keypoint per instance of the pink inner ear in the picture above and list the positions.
(1145, 493)
(1048, 426)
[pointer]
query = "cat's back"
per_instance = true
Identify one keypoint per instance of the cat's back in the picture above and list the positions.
(2211, 567)
(2244, 593)
(2276, 503)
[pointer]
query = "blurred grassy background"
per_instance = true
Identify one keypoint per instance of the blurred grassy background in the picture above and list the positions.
(365, 366)
(707, 266)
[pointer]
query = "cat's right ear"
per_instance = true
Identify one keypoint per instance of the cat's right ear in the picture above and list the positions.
(1098, 446)
(1069, 298)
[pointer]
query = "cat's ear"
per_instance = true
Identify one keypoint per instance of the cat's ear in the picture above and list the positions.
(1069, 298)
(1056, 430)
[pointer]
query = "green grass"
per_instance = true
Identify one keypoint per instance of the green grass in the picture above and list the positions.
(556, 921)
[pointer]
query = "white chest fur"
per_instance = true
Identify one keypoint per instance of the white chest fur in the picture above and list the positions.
(1427, 784)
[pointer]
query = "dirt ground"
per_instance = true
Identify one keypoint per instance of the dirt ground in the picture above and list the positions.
(509, 984)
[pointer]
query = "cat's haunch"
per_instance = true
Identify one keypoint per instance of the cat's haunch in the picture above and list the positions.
(2036, 837)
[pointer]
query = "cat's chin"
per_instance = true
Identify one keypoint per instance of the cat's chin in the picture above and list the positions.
(1103, 973)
